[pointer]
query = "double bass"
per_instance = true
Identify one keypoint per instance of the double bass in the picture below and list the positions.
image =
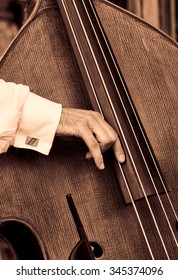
(136, 67)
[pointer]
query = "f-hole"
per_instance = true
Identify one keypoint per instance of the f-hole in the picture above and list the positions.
(18, 241)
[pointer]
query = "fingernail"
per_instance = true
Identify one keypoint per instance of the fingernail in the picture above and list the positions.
(121, 158)
(102, 166)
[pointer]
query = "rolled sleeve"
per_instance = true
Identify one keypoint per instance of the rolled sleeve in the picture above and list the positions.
(38, 123)
(12, 99)
(26, 119)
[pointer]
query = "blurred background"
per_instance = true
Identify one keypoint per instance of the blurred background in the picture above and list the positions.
(11, 18)
(162, 14)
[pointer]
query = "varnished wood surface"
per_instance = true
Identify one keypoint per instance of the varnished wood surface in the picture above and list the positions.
(33, 187)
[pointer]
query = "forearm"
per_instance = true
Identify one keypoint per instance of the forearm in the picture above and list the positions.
(31, 122)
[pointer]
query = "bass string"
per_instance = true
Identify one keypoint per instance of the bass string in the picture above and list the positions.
(94, 92)
(163, 184)
(128, 96)
(137, 214)
(106, 90)
(72, 29)
(150, 209)
(160, 201)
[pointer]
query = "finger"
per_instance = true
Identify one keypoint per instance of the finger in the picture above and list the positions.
(118, 151)
(114, 141)
(117, 148)
(103, 148)
(97, 125)
(110, 132)
(94, 148)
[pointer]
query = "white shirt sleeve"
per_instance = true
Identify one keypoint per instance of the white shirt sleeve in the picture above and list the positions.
(26, 120)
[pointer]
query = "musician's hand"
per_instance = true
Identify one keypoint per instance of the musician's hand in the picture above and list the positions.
(98, 135)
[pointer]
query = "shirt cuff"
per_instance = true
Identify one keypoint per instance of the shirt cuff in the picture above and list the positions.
(38, 124)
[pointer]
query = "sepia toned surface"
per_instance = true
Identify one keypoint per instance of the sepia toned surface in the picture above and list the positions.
(34, 187)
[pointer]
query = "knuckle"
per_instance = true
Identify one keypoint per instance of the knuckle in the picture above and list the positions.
(90, 118)
(114, 136)
(95, 114)
(82, 122)
(94, 145)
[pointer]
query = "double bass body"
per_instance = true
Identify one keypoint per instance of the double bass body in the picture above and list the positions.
(34, 187)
